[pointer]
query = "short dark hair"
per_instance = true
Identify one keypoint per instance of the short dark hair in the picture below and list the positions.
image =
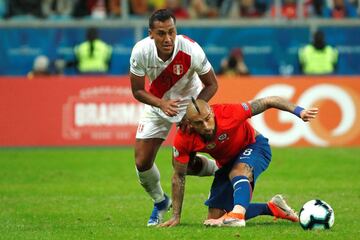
(91, 33)
(160, 15)
(319, 40)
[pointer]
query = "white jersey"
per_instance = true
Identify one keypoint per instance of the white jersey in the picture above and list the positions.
(176, 78)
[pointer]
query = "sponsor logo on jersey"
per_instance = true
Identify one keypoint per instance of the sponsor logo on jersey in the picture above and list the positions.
(175, 152)
(222, 137)
(178, 69)
(211, 146)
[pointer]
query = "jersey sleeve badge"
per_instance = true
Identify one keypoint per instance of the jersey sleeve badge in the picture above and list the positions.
(175, 152)
(245, 106)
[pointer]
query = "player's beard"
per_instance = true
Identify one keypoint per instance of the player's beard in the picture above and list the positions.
(208, 137)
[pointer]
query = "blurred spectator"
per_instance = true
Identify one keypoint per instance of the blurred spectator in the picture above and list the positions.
(3, 8)
(93, 55)
(234, 64)
(114, 8)
(156, 4)
(201, 9)
(82, 8)
(262, 6)
(177, 9)
(57, 8)
(288, 9)
(340, 9)
(98, 9)
(24, 8)
(223, 7)
(318, 57)
(249, 9)
(314, 8)
(40, 67)
(139, 8)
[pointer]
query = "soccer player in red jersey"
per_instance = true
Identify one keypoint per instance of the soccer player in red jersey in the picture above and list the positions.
(242, 154)
(177, 69)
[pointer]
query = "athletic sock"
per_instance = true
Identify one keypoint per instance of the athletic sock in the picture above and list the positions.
(150, 180)
(242, 191)
(256, 209)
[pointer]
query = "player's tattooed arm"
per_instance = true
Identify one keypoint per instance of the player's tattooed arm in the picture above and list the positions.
(262, 104)
(178, 189)
(258, 106)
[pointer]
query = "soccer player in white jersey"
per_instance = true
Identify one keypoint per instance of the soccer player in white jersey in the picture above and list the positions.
(177, 69)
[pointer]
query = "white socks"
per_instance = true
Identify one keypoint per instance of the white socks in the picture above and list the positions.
(209, 166)
(150, 180)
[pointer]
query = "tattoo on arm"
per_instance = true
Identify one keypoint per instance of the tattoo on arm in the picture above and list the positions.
(258, 106)
(262, 104)
(178, 187)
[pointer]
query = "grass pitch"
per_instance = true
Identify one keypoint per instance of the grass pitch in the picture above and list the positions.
(93, 193)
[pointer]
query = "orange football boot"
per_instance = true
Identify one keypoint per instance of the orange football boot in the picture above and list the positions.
(280, 209)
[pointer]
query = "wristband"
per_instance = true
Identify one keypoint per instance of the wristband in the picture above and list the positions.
(298, 110)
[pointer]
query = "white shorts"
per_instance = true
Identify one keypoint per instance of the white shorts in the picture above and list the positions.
(153, 125)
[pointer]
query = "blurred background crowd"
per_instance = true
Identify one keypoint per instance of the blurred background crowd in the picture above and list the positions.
(183, 9)
(240, 37)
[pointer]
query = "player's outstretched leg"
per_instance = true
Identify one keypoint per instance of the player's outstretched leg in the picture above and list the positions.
(159, 211)
(280, 209)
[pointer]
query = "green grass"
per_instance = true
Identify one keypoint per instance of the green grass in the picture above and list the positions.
(93, 193)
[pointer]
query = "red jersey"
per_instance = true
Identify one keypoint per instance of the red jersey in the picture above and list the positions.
(233, 133)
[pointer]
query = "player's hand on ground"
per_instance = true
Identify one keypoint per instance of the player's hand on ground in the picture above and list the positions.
(171, 222)
(309, 114)
(170, 107)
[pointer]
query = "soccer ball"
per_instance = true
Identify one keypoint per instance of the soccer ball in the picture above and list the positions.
(316, 214)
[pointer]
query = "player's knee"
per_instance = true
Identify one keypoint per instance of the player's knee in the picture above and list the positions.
(242, 169)
(142, 163)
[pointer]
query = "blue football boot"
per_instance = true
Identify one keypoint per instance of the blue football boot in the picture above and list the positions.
(159, 211)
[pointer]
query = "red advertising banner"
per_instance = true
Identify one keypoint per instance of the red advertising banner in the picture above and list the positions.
(99, 111)
(338, 98)
(59, 111)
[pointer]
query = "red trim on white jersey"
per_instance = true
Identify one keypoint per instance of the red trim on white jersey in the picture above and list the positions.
(186, 37)
(171, 74)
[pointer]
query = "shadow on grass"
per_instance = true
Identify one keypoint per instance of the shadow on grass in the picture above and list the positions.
(248, 225)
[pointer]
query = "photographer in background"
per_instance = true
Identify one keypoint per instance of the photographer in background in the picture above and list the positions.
(234, 64)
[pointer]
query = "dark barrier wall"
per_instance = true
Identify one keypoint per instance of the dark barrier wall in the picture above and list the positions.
(267, 50)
